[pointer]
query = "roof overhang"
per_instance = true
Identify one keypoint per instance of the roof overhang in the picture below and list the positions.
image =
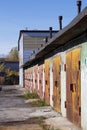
(76, 28)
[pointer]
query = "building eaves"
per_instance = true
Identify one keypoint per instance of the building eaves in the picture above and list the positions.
(76, 28)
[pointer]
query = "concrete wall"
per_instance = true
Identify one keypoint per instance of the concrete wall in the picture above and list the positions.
(21, 83)
(84, 86)
(21, 62)
(43, 81)
(63, 84)
(21, 51)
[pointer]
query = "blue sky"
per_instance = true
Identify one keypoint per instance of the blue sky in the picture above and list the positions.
(16, 15)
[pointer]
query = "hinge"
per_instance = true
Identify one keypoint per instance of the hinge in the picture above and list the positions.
(46, 82)
(40, 81)
(53, 97)
(64, 67)
(79, 64)
(79, 111)
(52, 69)
(35, 80)
(44, 70)
(56, 83)
(60, 68)
(71, 87)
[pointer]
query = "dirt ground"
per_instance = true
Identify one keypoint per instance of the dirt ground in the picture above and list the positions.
(16, 113)
(22, 127)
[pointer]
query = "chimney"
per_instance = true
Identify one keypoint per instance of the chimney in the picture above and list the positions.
(50, 29)
(33, 51)
(46, 39)
(79, 3)
(60, 22)
(41, 45)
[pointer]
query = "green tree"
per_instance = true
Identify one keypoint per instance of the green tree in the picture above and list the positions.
(13, 54)
(2, 67)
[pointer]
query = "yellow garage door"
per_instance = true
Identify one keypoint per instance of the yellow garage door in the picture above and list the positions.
(56, 84)
(73, 86)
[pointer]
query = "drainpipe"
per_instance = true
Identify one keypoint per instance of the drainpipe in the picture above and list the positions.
(79, 3)
(60, 22)
(50, 29)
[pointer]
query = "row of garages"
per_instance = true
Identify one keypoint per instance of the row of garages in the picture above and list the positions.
(57, 81)
(58, 73)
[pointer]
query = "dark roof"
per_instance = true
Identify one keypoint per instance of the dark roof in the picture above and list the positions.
(33, 31)
(76, 28)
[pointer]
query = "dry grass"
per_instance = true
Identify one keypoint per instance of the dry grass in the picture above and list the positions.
(28, 95)
(38, 103)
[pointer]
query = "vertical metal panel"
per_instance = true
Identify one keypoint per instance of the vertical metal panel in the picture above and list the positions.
(68, 83)
(51, 81)
(41, 81)
(47, 81)
(31, 80)
(28, 79)
(56, 83)
(73, 86)
(36, 78)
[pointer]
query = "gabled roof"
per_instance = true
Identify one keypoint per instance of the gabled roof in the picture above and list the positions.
(76, 28)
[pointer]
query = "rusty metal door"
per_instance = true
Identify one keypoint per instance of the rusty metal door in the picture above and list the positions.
(36, 79)
(47, 81)
(73, 86)
(56, 84)
(41, 81)
(31, 80)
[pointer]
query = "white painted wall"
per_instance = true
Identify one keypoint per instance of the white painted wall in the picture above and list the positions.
(21, 61)
(21, 77)
(43, 81)
(38, 77)
(51, 81)
(63, 84)
(84, 86)
(21, 51)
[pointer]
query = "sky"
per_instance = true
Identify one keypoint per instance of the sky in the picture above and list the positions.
(16, 15)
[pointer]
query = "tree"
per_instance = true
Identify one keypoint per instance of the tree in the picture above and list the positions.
(13, 54)
(2, 67)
